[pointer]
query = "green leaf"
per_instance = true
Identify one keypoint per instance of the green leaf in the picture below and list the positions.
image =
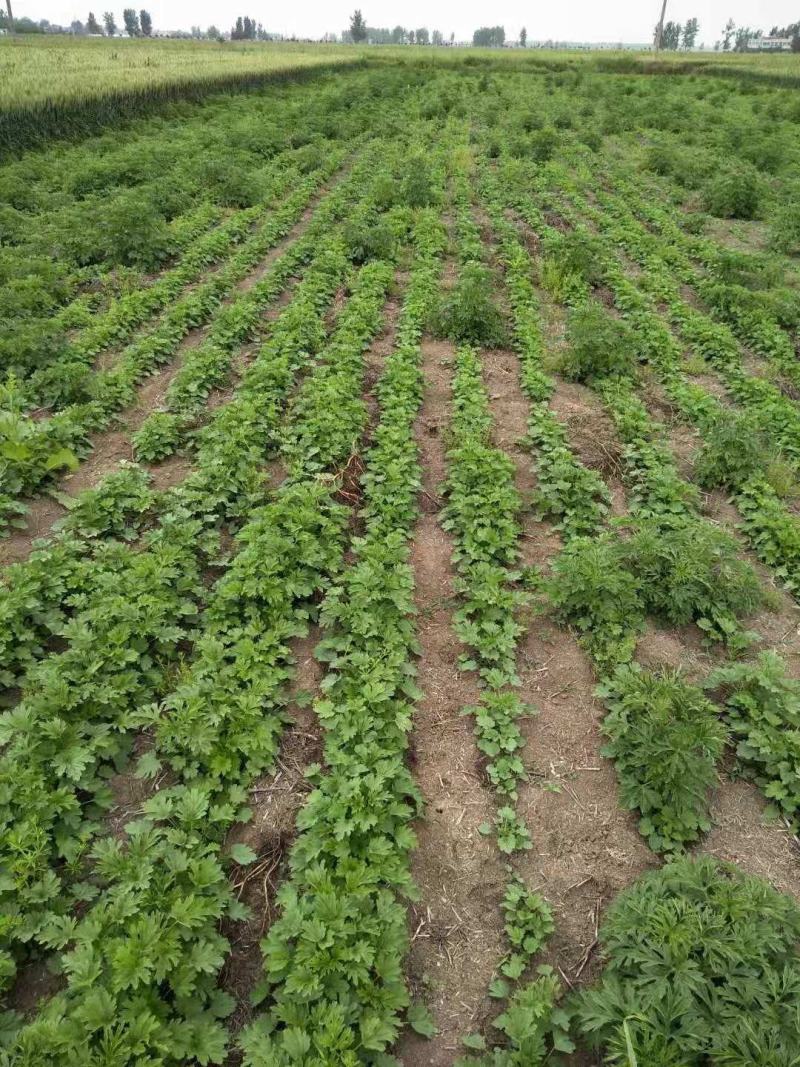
(421, 1020)
(242, 854)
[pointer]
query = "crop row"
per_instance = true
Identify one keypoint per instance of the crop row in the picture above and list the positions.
(742, 454)
(333, 987)
(213, 733)
(34, 450)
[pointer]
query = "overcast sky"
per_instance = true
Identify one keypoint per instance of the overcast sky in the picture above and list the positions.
(575, 20)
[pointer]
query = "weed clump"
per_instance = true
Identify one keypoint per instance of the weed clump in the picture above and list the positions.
(734, 193)
(665, 740)
(600, 346)
(691, 573)
(702, 967)
(468, 313)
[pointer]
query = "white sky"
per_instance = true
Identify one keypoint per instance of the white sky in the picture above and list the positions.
(576, 20)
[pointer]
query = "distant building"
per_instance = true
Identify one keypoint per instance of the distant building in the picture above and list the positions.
(769, 44)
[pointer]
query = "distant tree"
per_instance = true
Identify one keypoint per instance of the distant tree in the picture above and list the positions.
(690, 31)
(452, 38)
(489, 37)
(109, 23)
(423, 37)
(213, 34)
(358, 27)
(671, 37)
(727, 35)
(92, 25)
(398, 35)
(146, 23)
(76, 26)
(411, 37)
(131, 21)
(523, 37)
(744, 35)
(437, 38)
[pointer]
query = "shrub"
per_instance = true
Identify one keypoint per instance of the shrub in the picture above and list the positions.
(468, 313)
(691, 573)
(158, 437)
(592, 591)
(701, 968)
(417, 188)
(135, 232)
(762, 704)
(734, 193)
(784, 228)
(369, 239)
(600, 346)
(733, 450)
(543, 144)
(665, 740)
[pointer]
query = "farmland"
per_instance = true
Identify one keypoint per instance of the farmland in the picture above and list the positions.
(399, 627)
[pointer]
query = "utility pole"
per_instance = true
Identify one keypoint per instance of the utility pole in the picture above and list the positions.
(10, 17)
(660, 28)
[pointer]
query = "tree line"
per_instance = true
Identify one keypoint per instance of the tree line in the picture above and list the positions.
(136, 24)
(359, 32)
(739, 38)
(675, 36)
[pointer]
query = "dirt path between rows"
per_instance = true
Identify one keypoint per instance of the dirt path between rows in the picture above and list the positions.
(585, 846)
(456, 927)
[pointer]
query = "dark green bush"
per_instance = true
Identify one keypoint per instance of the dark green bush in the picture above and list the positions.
(691, 573)
(665, 740)
(468, 313)
(600, 346)
(734, 193)
(701, 969)
(591, 590)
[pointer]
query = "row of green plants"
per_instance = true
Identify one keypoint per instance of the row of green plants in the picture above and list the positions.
(367, 231)
(333, 989)
(483, 512)
(36, 601)
(751, 454)
(135, 606)
(34, 450)
(746, 291)
(214, 733)
(680, 568)
(627, 1018)
(117, 205)
(107, 316)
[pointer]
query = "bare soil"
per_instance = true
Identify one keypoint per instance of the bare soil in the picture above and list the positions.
(456, 927)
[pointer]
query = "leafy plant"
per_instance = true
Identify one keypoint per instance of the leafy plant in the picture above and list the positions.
(158, 437)
(701, 967)
(734, 193)
(690, 572)
(665, 740)
(599, 346)
(528, 925)
(592, 590)
(468, 313)
(533, 1025)
(762, 711)
(500, 739)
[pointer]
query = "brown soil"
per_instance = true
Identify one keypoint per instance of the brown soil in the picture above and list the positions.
(741, 834)
(456, 927)
(585, 847)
